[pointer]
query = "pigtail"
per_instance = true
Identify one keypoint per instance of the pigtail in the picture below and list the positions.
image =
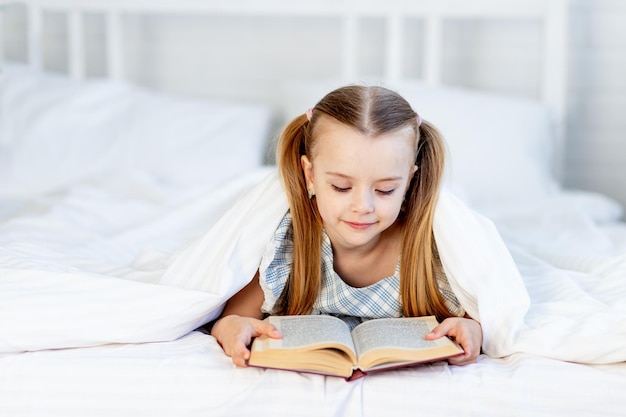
(304, 280)
(419, 265)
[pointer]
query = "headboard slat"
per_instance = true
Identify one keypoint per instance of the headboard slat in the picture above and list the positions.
(349, 47)
(35, 17)
(114, 36)
(393, 48)
(432, 50)
(555, 61)
(76, 55)
(2, 55)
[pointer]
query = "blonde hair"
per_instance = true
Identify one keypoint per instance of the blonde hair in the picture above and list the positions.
(372, 111)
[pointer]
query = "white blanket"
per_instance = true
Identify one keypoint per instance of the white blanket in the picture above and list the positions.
(542, 311)
(63, 285)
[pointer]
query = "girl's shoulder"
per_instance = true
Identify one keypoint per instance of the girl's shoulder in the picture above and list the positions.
(276, 262)
(285, 226)
(282, 242)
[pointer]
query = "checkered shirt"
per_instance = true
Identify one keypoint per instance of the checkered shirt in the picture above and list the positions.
(353, 305)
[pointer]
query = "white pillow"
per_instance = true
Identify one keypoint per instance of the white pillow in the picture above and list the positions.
(500, 147)
(54, 130)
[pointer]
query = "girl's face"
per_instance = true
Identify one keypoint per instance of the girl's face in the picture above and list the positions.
(359, 181)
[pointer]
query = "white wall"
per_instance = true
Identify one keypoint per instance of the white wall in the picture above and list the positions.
(190, 55)
(596, 153)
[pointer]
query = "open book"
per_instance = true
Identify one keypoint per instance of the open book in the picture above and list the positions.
(324, 344)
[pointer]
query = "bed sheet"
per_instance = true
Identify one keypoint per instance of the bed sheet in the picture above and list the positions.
(192, 377)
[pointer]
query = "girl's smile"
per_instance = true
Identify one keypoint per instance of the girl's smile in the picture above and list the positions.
(359, 226)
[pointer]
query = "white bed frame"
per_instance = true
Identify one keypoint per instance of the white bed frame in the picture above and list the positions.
(552, 14)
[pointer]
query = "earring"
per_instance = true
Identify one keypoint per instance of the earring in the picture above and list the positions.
(311, 193)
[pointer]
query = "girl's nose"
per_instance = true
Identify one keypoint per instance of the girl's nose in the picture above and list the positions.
(362, 202)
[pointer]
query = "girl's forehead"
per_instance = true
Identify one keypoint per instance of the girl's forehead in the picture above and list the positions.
(342, 149)
(332, 135)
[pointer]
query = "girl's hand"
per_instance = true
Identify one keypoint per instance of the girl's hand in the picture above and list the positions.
(234, 333)
(467, 332)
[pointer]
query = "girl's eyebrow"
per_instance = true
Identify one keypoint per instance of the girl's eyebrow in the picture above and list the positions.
(339, 174)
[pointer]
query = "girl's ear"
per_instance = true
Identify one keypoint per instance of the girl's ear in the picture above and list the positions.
(307, 169)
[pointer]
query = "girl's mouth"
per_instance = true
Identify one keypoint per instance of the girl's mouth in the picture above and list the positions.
(359, 226)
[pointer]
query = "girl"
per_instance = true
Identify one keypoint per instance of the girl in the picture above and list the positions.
(362, 175)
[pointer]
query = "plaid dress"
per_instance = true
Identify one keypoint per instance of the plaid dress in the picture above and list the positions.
(353, 305)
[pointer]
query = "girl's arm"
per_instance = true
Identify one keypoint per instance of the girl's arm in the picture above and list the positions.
(241, 321)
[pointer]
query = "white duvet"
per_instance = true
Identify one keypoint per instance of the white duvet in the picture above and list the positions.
(524, 303)
(564, 314)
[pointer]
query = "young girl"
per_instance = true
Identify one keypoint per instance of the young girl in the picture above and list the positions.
(361, 172)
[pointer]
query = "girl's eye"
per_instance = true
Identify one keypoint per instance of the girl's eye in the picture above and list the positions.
(386, 192)
(341, 189)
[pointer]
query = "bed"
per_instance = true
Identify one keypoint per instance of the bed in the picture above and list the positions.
(106, 185)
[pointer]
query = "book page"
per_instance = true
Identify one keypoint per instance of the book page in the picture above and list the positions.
(407, 333)
(299, 331)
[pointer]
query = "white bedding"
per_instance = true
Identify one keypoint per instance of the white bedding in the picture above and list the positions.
(87, 327)
(526, 305)
(190, 377)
